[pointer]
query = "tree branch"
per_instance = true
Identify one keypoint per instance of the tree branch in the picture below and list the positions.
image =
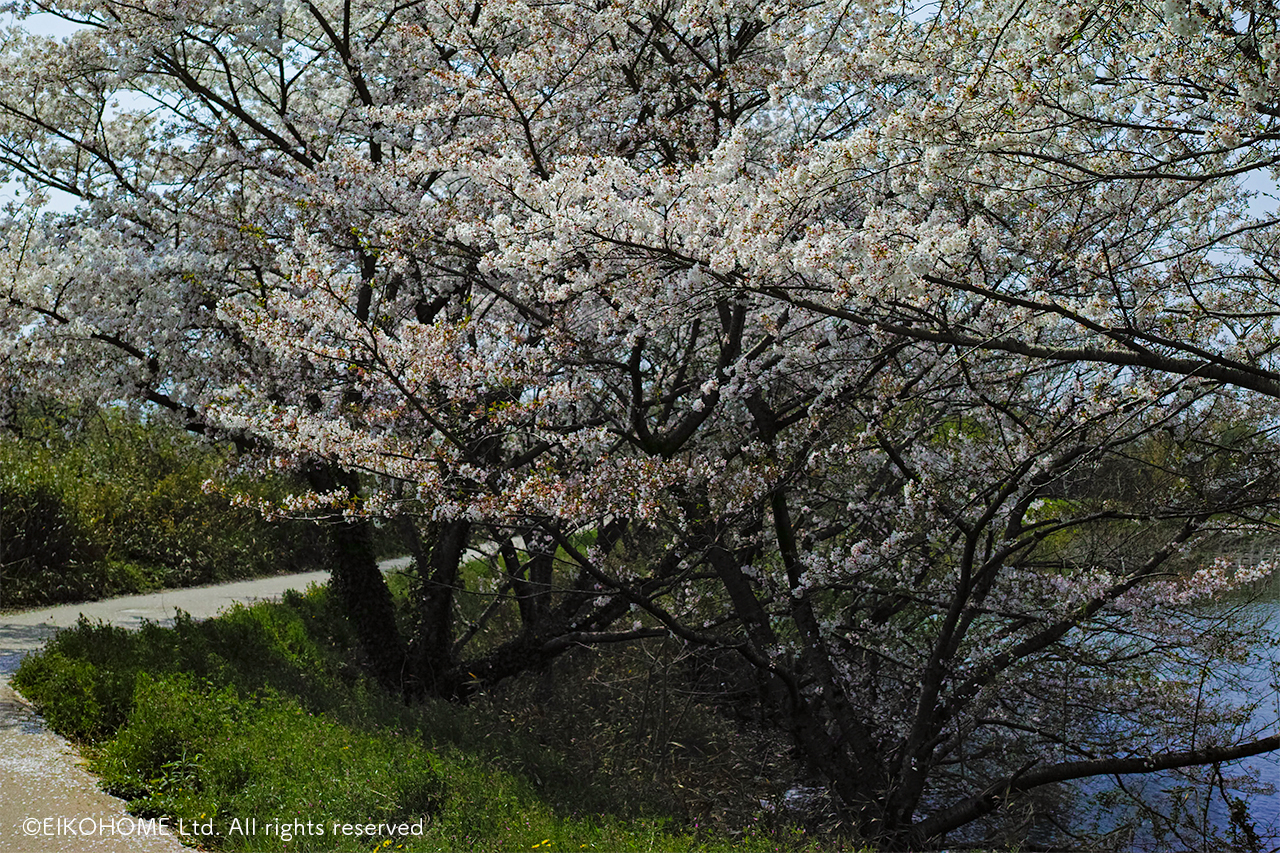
(998, 792)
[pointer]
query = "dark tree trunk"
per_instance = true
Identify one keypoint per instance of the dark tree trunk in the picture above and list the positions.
(359, 587)
(530, 579)
(431, 651)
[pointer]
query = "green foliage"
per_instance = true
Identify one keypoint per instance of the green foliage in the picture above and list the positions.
(192, 752)
(96, 503)
(46, 549)
(260, 714)
(291, 648)
(74, 695)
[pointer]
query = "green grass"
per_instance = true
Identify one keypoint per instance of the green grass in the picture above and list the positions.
(261, 715)
(196, 753)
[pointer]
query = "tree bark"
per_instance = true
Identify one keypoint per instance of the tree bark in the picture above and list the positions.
(358, 585)
(431, 650)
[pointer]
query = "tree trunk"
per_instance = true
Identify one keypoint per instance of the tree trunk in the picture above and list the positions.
(431, 651)
(359, 587)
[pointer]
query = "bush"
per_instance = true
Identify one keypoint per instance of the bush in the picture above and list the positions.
(294, 648)
(71, 697)
(191, 751)
(46, 551)
(96, 503)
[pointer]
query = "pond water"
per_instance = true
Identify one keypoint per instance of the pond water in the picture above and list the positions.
(1207, 800)
(1265, 808)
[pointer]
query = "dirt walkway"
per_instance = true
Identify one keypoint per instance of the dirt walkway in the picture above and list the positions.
(48, 802)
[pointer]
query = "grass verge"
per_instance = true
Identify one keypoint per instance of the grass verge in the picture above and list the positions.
(257, 734)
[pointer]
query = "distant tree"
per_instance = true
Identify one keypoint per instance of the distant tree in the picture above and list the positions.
(808, 331)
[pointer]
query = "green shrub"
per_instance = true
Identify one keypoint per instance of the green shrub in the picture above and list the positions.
(68, 692)
(48, 553)
(293, 648)
(96, 503)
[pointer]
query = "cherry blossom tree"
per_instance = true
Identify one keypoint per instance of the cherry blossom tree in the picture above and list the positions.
(915, 360)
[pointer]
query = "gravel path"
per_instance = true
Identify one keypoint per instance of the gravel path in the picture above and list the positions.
(48, 802)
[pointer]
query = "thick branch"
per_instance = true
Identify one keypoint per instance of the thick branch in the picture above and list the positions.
(998, 792)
